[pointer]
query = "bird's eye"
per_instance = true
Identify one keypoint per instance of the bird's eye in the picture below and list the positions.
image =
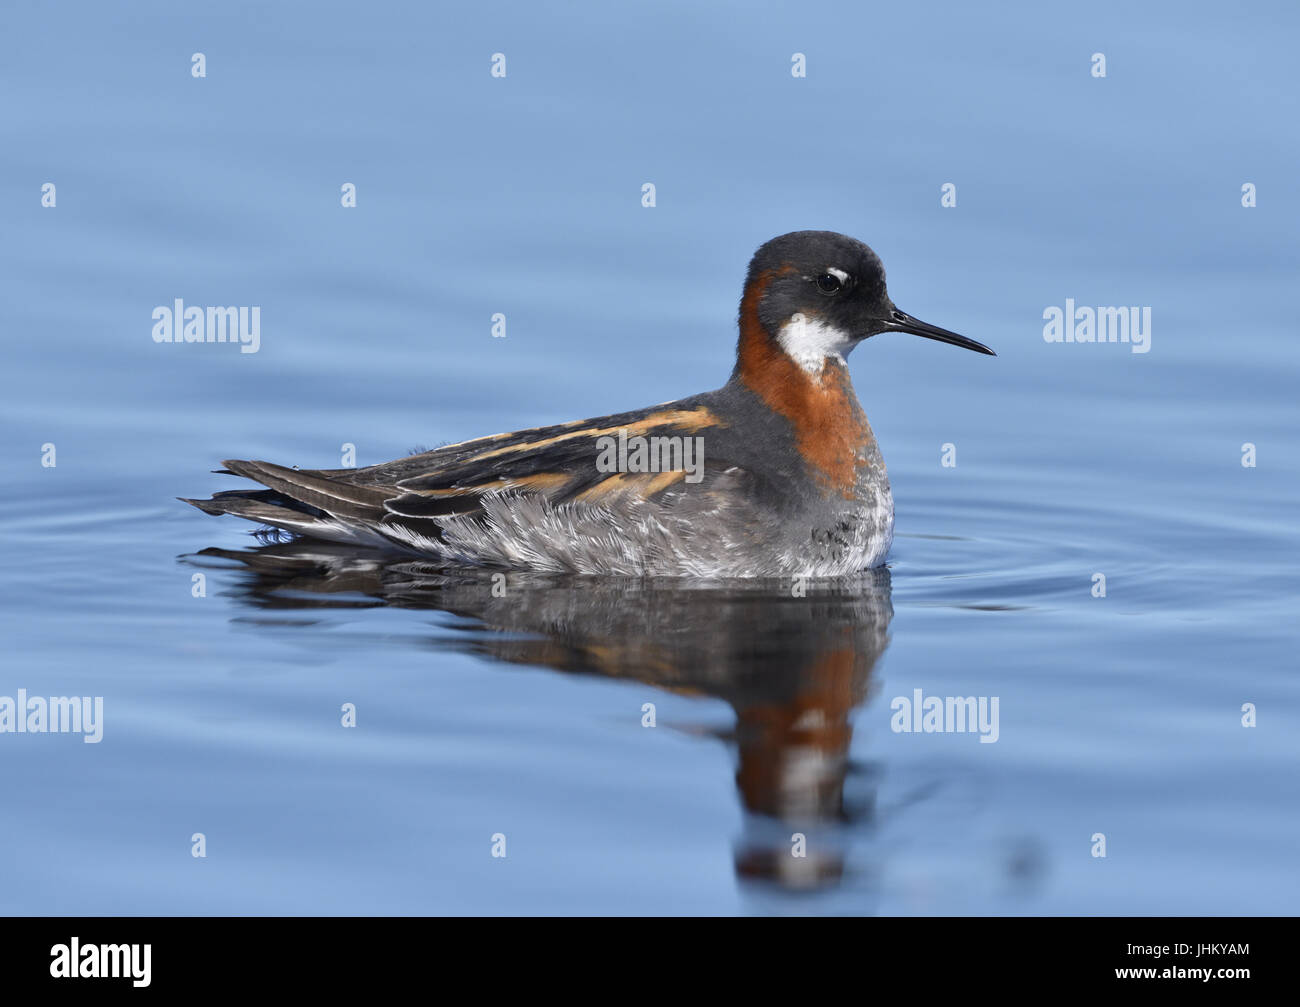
(828, 284)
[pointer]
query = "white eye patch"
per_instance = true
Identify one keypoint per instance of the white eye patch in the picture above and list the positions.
(839, 274)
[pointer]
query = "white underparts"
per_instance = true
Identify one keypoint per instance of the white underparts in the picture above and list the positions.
(810, 342)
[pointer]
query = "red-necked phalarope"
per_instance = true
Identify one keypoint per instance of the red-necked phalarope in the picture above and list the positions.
(776, 473)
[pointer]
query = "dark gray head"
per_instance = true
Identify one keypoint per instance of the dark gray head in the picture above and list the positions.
(819, 294)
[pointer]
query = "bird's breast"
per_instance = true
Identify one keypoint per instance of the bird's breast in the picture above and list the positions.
(831, 431)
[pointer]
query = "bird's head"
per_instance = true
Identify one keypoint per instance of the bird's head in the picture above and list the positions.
(817, 294)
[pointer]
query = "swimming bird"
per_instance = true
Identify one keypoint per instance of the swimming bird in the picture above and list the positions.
(776, 473)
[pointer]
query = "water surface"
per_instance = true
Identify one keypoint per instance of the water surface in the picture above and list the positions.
(523, 714)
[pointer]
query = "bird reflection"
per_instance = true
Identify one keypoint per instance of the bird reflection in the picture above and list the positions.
(792, 658)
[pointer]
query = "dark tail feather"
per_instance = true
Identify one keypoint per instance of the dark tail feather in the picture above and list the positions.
(255, 507)
(335, 497)
(303, 502)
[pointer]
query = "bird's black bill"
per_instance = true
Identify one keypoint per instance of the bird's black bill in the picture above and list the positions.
(901, 321)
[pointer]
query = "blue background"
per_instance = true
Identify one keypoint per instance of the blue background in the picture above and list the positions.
(522, 195)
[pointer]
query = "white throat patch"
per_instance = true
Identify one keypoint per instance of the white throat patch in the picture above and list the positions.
(810, 343)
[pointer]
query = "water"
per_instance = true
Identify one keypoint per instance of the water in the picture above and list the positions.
(523, 715)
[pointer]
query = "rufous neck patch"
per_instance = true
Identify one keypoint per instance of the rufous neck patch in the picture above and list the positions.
(830, 427)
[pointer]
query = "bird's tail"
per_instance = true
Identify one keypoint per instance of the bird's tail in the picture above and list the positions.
(303, 501)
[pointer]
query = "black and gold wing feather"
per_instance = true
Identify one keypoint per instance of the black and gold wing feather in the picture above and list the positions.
(558, 463)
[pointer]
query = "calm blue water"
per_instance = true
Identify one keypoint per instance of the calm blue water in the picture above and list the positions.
(522, 716)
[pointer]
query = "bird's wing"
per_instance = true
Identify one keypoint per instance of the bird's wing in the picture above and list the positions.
(573, 461)
(558, 463)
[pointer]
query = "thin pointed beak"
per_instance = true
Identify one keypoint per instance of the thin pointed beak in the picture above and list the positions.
(901, 321)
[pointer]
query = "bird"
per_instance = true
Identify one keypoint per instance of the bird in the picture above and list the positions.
(775, 474)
